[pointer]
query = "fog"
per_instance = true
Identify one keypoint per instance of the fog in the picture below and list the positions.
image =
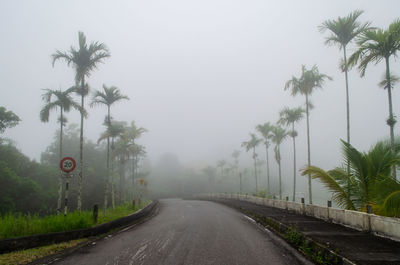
(200, 75)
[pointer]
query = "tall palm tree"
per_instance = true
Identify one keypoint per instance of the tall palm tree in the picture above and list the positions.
(84, 60)
(265, 130)
(251, 145)
(278, 136)
(64, 101)
(289, 117)
(370, 179)
(342, 32)
(305, 85)
(376, 45)
(108, 97)
(114, 130)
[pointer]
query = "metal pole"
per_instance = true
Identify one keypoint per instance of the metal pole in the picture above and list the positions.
(66, 194)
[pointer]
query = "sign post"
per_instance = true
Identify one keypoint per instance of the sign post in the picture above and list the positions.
(67, 165)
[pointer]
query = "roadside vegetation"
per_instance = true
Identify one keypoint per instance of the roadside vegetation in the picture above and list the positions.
(19, 225)
(33, 194)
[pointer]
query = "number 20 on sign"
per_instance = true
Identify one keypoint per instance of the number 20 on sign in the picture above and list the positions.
(67, 164)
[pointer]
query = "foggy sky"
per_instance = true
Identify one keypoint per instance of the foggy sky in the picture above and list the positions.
(200, 74)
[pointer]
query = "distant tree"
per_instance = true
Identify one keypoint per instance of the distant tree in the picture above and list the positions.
(376, 45)
(235, 155)
(278, 136)
(305, 85)
(8, 119)
(265, 130)
(64, 101)
(288, 117)
(221, 164)
(108, 97)
(114, 130)
(251, 145)
(210, 173)
(126, 148)
(132, 133)
(84, 60)
(137, 152)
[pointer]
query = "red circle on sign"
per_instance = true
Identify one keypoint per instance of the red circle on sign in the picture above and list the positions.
(67, 164)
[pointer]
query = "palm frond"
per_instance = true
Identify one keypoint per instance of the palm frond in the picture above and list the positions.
(329, 180)
(391, 205)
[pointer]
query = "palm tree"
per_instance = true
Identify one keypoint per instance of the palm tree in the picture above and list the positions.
(252, 144)
(374, 46)
(370, 179)
(278, 136)
(265, 130)
(113, 131)
(65, 102)
(305, 85)
(235, 155)
(108, 97)
(84, 60)
(122, 152)
(132, 133)
(126, 148)
(221, 164)
(137, 151)
(343, 31)
(289, 117)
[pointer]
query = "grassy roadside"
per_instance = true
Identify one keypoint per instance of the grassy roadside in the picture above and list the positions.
(26, 225)
(26, 256)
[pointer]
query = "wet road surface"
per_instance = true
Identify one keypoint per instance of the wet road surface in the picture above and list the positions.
(188, 232)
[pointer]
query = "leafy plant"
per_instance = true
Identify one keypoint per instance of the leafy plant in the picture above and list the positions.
(369, 181)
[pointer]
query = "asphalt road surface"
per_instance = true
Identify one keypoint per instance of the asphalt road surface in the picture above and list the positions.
(189, 232)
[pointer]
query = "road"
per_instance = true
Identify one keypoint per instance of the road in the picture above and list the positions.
(189, 233)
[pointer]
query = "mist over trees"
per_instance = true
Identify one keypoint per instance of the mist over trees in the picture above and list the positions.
(114, 167)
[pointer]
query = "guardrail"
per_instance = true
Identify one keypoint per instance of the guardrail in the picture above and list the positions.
(378, 225)
(13, 244)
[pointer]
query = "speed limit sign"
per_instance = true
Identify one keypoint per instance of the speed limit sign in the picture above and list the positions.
(67, 164)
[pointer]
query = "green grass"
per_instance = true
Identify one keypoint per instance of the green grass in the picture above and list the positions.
(18, 225)
(26, 256)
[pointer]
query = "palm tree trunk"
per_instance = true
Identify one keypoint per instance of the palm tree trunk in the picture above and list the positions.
(111, 180)
(391, 119)
(122, 180)
(266, 151)
(79, 207)
(60, 183)
(107, 180)
(347, 106)
(255, 168)
(133, 177)
(294, 164)
(280, 174)
(308, 150)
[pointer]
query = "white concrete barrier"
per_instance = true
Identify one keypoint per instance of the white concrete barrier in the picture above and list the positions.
(379, 225)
